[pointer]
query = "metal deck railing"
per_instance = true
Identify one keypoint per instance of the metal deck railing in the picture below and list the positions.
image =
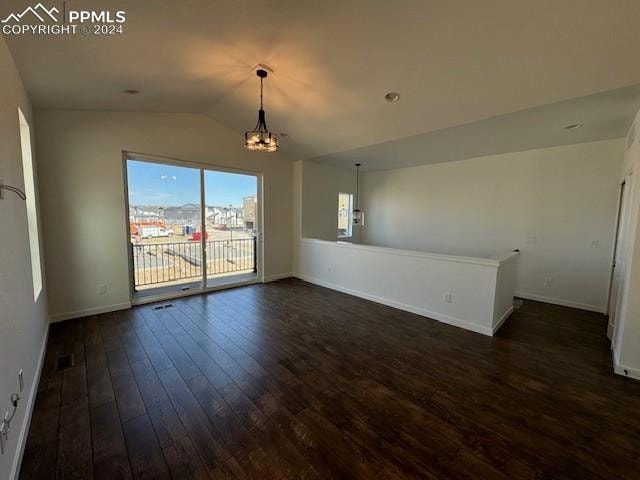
(164, 263)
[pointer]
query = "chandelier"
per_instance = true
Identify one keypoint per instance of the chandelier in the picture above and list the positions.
(357, 216)
(260, 139)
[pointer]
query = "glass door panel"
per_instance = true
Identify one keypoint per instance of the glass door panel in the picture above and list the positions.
(165, 227)
(231, 201)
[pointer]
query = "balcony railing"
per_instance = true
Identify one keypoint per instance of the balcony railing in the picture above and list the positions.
(160, 264)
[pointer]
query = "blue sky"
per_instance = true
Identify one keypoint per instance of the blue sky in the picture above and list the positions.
(168, 185)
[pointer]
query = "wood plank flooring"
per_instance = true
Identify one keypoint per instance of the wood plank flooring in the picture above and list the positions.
(290, 380)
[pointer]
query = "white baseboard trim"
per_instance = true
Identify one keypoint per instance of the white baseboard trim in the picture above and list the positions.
(623, 370)
(561, 302)
(441, 317)
(24, 430)
(89, 311)
(502, 319)
(274, 278)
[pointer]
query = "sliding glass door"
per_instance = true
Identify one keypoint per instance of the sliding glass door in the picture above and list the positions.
(232, 228)
(190, 227)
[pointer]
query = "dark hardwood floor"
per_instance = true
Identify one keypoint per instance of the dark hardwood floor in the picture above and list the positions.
(290, 380)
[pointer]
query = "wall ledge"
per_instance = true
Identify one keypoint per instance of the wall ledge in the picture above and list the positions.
(488, 262)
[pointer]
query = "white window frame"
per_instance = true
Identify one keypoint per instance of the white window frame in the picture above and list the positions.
(29, 175)
(349, 232)
(137, 299)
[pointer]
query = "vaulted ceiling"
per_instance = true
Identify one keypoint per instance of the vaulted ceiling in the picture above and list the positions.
(454, 62)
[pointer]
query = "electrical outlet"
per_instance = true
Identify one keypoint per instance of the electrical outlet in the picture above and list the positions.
(595, 244)
(548, 282)
(101, 289)
(447, 297)
(532, 240)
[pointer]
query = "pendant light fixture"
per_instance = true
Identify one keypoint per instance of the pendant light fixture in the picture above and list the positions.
(357, 218)
(260, 139)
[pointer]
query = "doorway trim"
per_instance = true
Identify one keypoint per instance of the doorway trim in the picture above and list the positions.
(618, 247)
(202, 166)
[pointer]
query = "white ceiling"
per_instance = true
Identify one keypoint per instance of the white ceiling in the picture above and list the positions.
(454, 62)
(604, 116)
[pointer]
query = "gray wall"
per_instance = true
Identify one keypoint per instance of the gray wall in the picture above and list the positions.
(558, 205)
(23, 321)
(83, 192)
(320, 187)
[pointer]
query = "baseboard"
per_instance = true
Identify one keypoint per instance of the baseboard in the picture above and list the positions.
(89, 311)
(625, 371)
(274, 278)
(561, 302)
(441, 317)
(502, 319)
(24, 431)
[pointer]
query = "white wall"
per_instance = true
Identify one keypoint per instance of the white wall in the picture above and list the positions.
(557, 205)
(505, 289)
(626, 341)
(23, 322)
(320, 188)
(481, 288)
(415, 281)
(83, 195)
(296, 218)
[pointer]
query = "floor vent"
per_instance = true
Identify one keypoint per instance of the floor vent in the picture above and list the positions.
(162, 307)
(64, 361)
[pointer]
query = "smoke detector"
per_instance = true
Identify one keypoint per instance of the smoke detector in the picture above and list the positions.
(392, 97)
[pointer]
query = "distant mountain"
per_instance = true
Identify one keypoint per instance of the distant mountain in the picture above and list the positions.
(189, 206)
